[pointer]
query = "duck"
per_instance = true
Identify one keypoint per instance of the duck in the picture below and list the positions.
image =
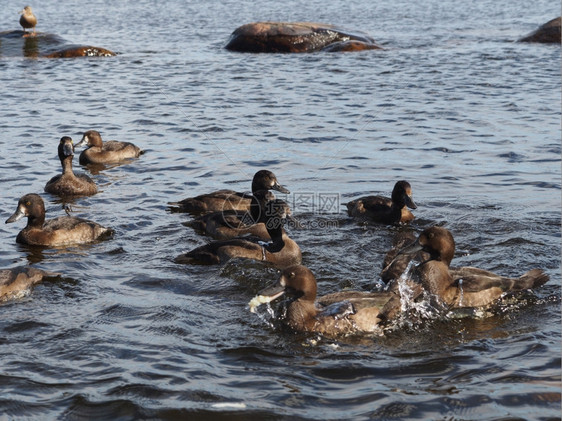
(281, 250)
(385, 210)
(341, 313)
(68, 183)
(396, 263)
(17, 282)
(111, 152)
(60, 231)
(27, 20)
(464, 286)
(222, 200)
(233, 223)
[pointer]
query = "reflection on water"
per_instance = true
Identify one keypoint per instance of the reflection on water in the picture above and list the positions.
(31, 47)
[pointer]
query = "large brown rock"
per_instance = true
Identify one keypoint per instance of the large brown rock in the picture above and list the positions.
(81, 51)
(547, 33)
(16, 43)
(296, 37)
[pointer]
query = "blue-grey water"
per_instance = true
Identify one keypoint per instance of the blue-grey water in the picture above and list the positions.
(452, 104)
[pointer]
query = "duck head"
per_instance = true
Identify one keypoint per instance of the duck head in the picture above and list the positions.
(266, 180)
(402, 194)
(297, 282)
(437, 241)
(66, 148)
(32, 206)
(90, 138)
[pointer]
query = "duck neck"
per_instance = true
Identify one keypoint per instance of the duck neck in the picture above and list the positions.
(277, 237)
(66, 163)
(36, 221)
(301, 313)
(95, 142)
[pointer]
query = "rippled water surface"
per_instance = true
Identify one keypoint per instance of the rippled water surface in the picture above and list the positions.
(452, 104)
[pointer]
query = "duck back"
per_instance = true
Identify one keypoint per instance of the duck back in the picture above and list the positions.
(111, 152)
(70, 184)
(61, 231)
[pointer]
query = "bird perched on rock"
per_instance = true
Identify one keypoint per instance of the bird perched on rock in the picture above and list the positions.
(28, 19)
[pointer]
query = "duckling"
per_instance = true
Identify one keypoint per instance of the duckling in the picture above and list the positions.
(111, 152)
(16, 282)
(27, 20)
(223, 200)
(384, 210)
(282, 251)
(232, 223)
(68, 183)
(465, 286)
(60, 231)
(344, 313)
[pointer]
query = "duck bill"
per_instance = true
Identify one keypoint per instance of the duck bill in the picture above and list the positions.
(412, 248)
(410, 202)
(280, 188)
(273, 291)
(266, 296)
(16, 216)
(83, 142)
(68, 149)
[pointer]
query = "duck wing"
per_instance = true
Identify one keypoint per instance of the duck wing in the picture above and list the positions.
(368, 204)
(216, 201)
(357, 299)
(472, 279)
(220, 251)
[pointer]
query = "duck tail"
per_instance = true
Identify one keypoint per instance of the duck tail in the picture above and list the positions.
(198, 224)
(199, 256)
(189, 205)
(531, 279)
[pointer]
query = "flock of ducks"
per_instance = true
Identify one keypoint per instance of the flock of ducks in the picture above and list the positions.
(251, 226)
(63, 230)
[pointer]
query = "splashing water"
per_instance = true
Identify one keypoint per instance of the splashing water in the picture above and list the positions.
(406, 292)
(413, 309)
(461, 293)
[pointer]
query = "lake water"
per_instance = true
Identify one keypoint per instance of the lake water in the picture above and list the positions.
(452, 104)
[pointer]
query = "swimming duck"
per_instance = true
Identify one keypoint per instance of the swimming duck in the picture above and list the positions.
(464, 286)
(16, 282)
(232, 223)
(59, 231)
(68, 183)
(27, 19)
(222, 200)
(383, 209)
(282, 251)
(111, 152)
(396, 263)
(342, 313)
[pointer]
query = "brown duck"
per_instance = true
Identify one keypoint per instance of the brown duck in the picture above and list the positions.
(341, 313)
(68, 183)
(223, 200)
(385, 210)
